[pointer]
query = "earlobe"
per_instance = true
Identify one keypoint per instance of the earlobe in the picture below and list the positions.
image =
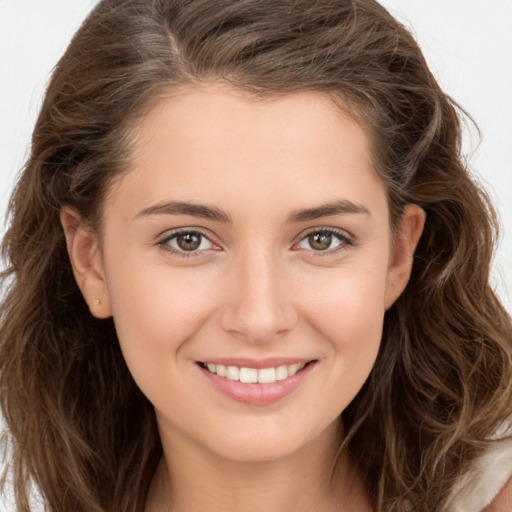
(406, 238)
(86, 261)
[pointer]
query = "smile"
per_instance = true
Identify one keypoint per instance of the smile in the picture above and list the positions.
(264, 385)
(254, 375)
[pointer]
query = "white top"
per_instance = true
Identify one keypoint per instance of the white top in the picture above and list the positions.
(483, 482)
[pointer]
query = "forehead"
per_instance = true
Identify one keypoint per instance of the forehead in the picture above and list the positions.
(209, 108)
(215, 142)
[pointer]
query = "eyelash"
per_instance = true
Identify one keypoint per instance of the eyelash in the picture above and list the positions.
(164, 242)
(346, 242)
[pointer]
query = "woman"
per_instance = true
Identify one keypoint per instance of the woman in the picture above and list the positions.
(249, 270)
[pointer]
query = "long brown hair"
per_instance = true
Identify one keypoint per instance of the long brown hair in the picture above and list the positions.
(78, 426)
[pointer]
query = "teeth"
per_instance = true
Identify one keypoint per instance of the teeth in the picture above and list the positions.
(233, 373)
(248, 375)
(281, 372)
(294, 368)
(266, 375)
(252, 375)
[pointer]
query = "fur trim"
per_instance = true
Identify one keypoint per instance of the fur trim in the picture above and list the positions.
(482, 483)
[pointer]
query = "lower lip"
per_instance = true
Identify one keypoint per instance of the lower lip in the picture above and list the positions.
(258, 394)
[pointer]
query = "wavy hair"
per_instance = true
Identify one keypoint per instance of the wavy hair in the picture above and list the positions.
(78, 426)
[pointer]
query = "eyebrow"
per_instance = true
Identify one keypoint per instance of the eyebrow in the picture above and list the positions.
(185, 208)
(342, 207)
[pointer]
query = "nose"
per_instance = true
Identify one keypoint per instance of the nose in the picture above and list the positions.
(260, 308)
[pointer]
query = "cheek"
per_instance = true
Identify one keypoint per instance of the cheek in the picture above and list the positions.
(157, 309)
(348, 317)
(348, 302)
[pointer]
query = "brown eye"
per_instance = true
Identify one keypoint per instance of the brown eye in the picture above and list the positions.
(189, 241)
(325, 240)
(193, 242)
(320, 241)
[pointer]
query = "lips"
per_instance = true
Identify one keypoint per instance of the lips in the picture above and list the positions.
(256, 382)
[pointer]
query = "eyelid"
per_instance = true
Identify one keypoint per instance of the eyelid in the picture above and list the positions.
(163, 239)
(347, 240)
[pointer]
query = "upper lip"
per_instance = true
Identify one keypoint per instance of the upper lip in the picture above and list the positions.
(245, 362)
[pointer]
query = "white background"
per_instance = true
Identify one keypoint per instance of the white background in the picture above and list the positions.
(468, 44)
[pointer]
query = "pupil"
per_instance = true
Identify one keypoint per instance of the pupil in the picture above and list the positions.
(320, 241)
(189, 241)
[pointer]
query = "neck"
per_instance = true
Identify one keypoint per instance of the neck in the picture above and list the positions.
(193, 479)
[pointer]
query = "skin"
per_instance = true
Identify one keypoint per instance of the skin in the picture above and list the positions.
(503, 501)
(257, 288)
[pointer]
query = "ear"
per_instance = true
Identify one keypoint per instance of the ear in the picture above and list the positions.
(406, 237)
(86, 261)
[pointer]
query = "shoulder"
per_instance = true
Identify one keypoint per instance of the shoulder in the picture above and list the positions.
(484, 487)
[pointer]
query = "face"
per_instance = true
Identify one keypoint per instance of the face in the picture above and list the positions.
(249, 241)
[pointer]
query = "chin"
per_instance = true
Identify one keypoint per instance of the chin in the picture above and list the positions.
(265, 444)
(258, 450)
